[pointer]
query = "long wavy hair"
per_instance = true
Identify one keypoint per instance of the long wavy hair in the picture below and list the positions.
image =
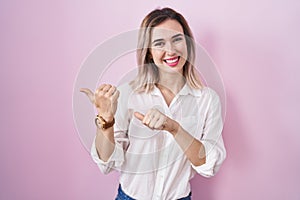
(148, 73)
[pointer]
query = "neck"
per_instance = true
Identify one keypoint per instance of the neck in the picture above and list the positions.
(171, 81)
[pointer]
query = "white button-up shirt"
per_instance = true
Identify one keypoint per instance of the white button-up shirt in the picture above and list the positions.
(152, 164)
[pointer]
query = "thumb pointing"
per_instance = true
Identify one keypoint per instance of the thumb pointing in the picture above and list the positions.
(88, 93)
(139, 116)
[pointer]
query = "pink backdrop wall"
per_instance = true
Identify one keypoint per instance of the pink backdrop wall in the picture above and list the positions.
(254, 44)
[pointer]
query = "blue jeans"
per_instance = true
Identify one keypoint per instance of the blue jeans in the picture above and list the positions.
(123, 196)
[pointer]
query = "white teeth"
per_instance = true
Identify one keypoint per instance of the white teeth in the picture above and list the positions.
(172, 61)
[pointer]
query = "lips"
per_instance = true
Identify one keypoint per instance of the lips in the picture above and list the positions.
(172, 62)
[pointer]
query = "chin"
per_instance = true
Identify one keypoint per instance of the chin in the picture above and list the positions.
(170, 70)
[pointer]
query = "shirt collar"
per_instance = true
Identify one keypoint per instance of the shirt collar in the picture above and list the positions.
(186, 90)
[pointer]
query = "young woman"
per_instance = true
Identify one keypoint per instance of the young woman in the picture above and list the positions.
(163, 127)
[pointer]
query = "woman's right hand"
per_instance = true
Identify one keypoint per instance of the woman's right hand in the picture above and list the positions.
(105, 99)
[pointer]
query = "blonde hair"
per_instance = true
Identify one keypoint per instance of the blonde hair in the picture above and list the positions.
(148, 73)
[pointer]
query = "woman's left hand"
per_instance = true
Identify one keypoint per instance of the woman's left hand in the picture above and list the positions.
(156, 120)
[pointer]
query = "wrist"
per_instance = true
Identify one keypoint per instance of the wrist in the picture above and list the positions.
(104, 124)
(172, 126)
(108, 118)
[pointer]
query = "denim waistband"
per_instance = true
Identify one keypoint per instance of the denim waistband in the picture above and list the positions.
(123, 196)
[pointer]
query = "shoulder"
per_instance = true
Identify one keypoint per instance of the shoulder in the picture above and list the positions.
(209, 91)
(205, 91)
(207, 94)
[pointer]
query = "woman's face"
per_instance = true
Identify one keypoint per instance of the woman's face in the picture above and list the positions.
(168, 46)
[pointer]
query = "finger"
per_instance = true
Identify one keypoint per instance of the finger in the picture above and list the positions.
(89, 94)
(139, 116)
(106, 88)
(154, 117)
(160, 123)
(104, 91)
(115, 95)
(147, 117)
(111, 90)
(153, 121)
(100, 88)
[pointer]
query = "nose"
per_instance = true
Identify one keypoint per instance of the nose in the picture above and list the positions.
(169, 48)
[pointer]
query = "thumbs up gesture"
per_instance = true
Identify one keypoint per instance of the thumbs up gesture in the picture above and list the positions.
(153, 119)
(105, 99)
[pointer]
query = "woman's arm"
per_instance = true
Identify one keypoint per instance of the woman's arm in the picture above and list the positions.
(105, 143)
(105, 99)
(193, 148)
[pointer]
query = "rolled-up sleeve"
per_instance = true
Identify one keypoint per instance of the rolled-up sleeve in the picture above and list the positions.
(122, 118)
(212, 138)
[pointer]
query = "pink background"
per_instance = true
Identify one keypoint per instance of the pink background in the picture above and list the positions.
(43, 43)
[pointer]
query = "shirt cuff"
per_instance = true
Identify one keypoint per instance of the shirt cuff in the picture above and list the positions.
(208, 169)
(115, 160)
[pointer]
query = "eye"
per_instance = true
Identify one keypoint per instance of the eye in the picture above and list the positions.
(177, 39)
(159, 44)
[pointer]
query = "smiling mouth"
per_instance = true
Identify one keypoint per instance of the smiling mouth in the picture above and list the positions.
(172, 62)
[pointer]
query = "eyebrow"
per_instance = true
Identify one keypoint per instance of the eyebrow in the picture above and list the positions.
(174, 36)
